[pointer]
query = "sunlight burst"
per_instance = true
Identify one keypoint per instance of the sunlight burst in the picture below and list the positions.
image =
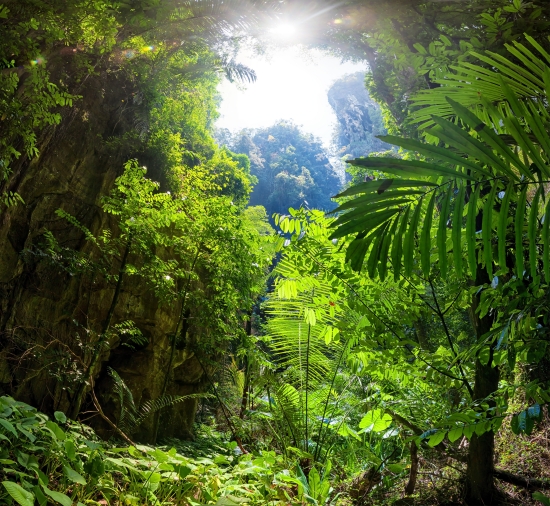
(284, 30)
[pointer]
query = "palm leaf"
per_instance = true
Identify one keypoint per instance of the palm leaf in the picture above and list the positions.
(484, 163)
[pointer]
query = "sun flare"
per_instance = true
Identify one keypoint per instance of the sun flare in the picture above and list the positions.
(284, 30)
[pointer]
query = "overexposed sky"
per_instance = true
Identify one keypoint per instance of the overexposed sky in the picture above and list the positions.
(292, 84)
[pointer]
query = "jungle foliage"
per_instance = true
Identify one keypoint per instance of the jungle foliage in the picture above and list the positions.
(406, 328)
(291, 167)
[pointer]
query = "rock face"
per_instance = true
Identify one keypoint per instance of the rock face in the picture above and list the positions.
(44, 311)
(359, 117)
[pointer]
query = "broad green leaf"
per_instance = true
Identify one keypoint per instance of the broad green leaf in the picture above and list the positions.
(58, 497)
(8, 426)
(382, 184)
(70, 449)
(520, 214)
(545, 500)
(425, 237)
(56, 429)
(454, 434)
(471, 230)
(384, 249)
(442, 230)
(73, 475)
(430, 150)
(375, 421)
(397, 245)
(19, 494)
(502, 225)
(436, 438)
(532, 228)
(545, 242)
(60, 416)
(487, 230)
(408, 246)
(407, 168)
(374, 256)
(457, 228)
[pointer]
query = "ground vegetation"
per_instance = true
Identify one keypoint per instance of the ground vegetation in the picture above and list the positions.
(398, 352)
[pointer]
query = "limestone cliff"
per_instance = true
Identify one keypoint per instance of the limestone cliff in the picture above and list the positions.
(359, 117)
(45, 313)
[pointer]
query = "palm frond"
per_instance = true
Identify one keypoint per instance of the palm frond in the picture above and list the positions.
(471, 171)
(479, 88)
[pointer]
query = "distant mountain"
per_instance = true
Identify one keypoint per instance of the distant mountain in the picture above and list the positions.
(291, 166)
(359, 118)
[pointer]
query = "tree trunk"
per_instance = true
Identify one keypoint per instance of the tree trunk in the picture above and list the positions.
(480, 488)
(409, 489)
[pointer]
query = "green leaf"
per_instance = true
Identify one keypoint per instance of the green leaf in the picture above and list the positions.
(375, 421)
(60, 416)
(408, 246)
(532, 233)
(381, 185)
(425, 239)
(471, 230)
(457, 228)
(546, 242)
(436, 438)
(19, 494)
(58, 497)
(541, 498)
(397, 245)
(520, 214)
(487, 230)
(8, 426)
(40, 497)
(407, 168)
(70, 449)
(459, 138)
(454, 434)
(442, 230)
(376, 249)
(488, 135)
(384, 249)
(73, 475)
(367, 223)
(442, 154)
(56, 429)
(502, 226)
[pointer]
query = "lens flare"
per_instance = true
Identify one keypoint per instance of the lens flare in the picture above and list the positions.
(39, 61)
(284, 30)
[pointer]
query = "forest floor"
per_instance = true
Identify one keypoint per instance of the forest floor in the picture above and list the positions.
(439, 480)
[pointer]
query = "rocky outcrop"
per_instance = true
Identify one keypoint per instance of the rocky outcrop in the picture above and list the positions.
(45, 313)
(359, 117)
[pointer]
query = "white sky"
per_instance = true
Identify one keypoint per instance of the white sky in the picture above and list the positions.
(292, 83)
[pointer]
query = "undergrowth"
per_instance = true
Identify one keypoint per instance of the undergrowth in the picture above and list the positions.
(63, 462)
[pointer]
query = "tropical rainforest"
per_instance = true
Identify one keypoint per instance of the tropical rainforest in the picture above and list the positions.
(194, 317)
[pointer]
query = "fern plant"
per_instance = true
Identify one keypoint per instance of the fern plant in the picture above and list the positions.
(130, 417)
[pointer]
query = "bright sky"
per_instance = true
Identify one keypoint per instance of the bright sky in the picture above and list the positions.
(292, 84)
